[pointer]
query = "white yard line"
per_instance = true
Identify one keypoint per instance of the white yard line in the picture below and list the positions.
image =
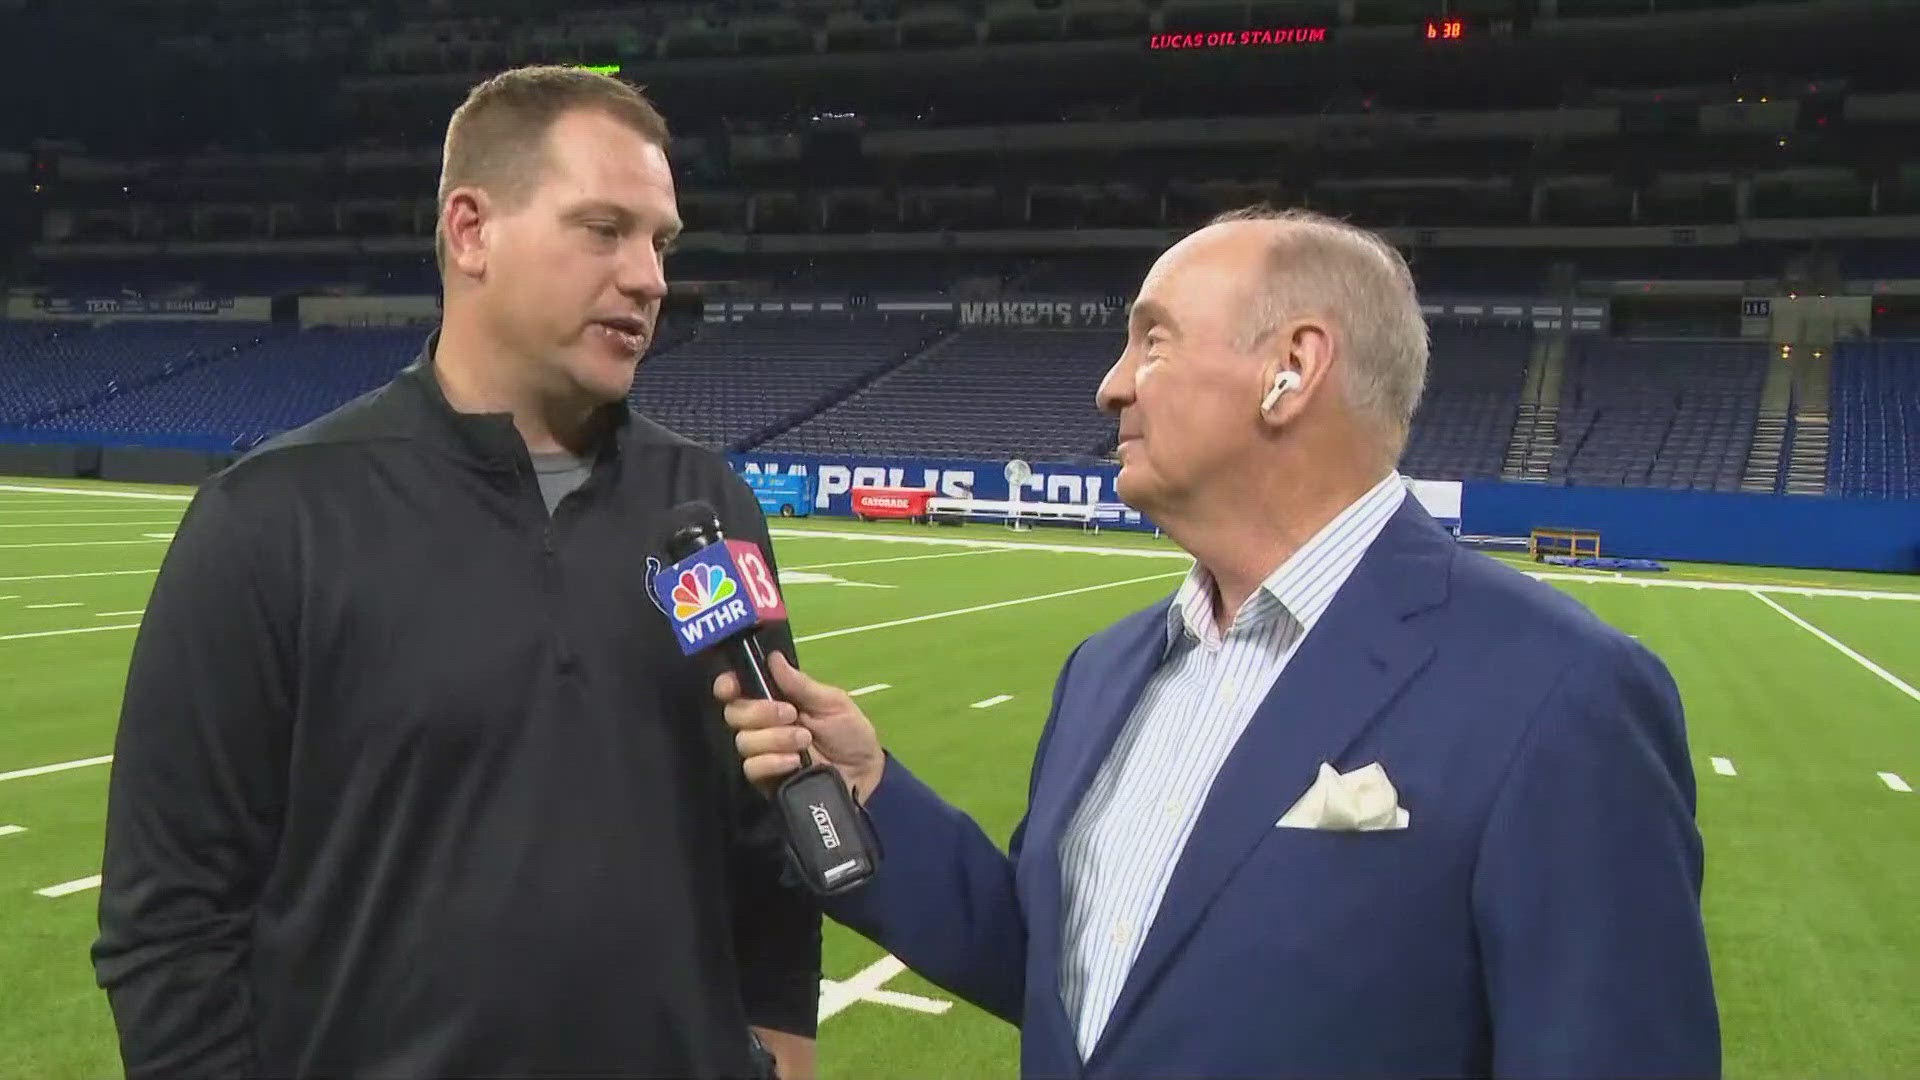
(88, 573)
(988, 703)
(118, 614)
(1893, 781)
(43, 770)
(97, 493)
(87, 543)
(84, 524)
(1165, 553)
(991, 545)
(14, 509)
(896, 558)
(63, 633)
(1723, 767)
(68, 888)
(890, 623)
(49, 607)
(1890, 678)
(10, 830)
(1723, 586)
(873, 689)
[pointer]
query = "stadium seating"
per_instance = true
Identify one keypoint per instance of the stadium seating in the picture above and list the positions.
(241, 400)
(1875, 420)
(1659, 413)
(986, 392)
(733, 384)
(54, 369)
(1473, 393)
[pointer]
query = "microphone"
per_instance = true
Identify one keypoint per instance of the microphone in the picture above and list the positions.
(717, 594)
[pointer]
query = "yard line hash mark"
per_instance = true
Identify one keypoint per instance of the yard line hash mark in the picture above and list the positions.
(988, 703)
(866, 986)
(1723, 767)
(68, 888)
(873, 689)
(1893, 781)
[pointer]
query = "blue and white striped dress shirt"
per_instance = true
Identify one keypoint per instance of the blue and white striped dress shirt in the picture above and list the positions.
(1120, 848)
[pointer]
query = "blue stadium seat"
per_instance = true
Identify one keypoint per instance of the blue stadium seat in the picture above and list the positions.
(1875, 415)
(1672, 413)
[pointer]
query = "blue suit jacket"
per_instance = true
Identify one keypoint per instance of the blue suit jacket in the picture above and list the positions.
(1540, 917)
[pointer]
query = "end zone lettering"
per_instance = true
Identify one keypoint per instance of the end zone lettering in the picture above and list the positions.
(1232, 39)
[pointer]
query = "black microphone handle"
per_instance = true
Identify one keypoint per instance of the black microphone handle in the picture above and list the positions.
(749, 662)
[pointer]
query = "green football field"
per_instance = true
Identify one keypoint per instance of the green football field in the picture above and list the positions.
(1799, 688)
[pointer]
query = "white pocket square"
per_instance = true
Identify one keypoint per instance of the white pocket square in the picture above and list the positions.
(1360, 801)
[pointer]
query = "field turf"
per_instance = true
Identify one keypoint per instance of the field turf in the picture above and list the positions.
(1813, 855)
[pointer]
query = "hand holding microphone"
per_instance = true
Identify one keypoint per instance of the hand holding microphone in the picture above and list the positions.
(716, 595)
(814, 718)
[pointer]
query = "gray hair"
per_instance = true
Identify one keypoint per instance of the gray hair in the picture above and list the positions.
(1324, 266)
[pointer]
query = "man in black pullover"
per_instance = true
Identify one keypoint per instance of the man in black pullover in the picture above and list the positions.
(411, 779)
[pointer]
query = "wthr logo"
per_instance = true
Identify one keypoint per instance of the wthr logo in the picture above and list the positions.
(696, 591)
(715, 593)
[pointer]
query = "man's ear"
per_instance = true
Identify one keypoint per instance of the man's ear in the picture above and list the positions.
(1299, 358)
(464, 218)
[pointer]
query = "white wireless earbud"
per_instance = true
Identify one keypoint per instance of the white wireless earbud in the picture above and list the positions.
(1282, 383)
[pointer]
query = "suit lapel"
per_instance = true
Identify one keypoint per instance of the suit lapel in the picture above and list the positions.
(1355, 661)
(1087, 726)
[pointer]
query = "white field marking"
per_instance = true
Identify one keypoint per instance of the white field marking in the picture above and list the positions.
(1725, 586)
(1161, 553)
(983, 545)
(907, 1001)
(9, 598)
(63, 633)
(1723, 767)
(989, 703)
(89, 573)
(866, 986)
(1893, 781)
(9, 830)
(158, 536)
(873, 689)
(68, 888)
(42, 770)
(890, 623)
(84, 524)
(65, 506)
(808, 577)
(895, 558)
(87, 543)
(118, 614)
(48, 607)
(1891, 679)
(15, 504)
(97, 493)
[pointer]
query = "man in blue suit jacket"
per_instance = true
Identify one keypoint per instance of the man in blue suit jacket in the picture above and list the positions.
(1353, 802)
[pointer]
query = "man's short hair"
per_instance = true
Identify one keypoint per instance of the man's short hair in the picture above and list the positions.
(1354, 277)
(497, 138)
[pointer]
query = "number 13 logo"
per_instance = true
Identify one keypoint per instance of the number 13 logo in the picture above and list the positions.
(759, 582)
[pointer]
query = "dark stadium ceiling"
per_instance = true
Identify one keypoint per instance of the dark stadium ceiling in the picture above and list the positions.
(135, 94)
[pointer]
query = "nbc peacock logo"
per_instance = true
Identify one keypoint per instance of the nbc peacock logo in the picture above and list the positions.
(700, 588)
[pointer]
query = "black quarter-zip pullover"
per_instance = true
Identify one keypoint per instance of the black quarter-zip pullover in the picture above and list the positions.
(412, 779)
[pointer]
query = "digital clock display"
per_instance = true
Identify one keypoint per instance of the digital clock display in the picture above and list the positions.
(1446, 29)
